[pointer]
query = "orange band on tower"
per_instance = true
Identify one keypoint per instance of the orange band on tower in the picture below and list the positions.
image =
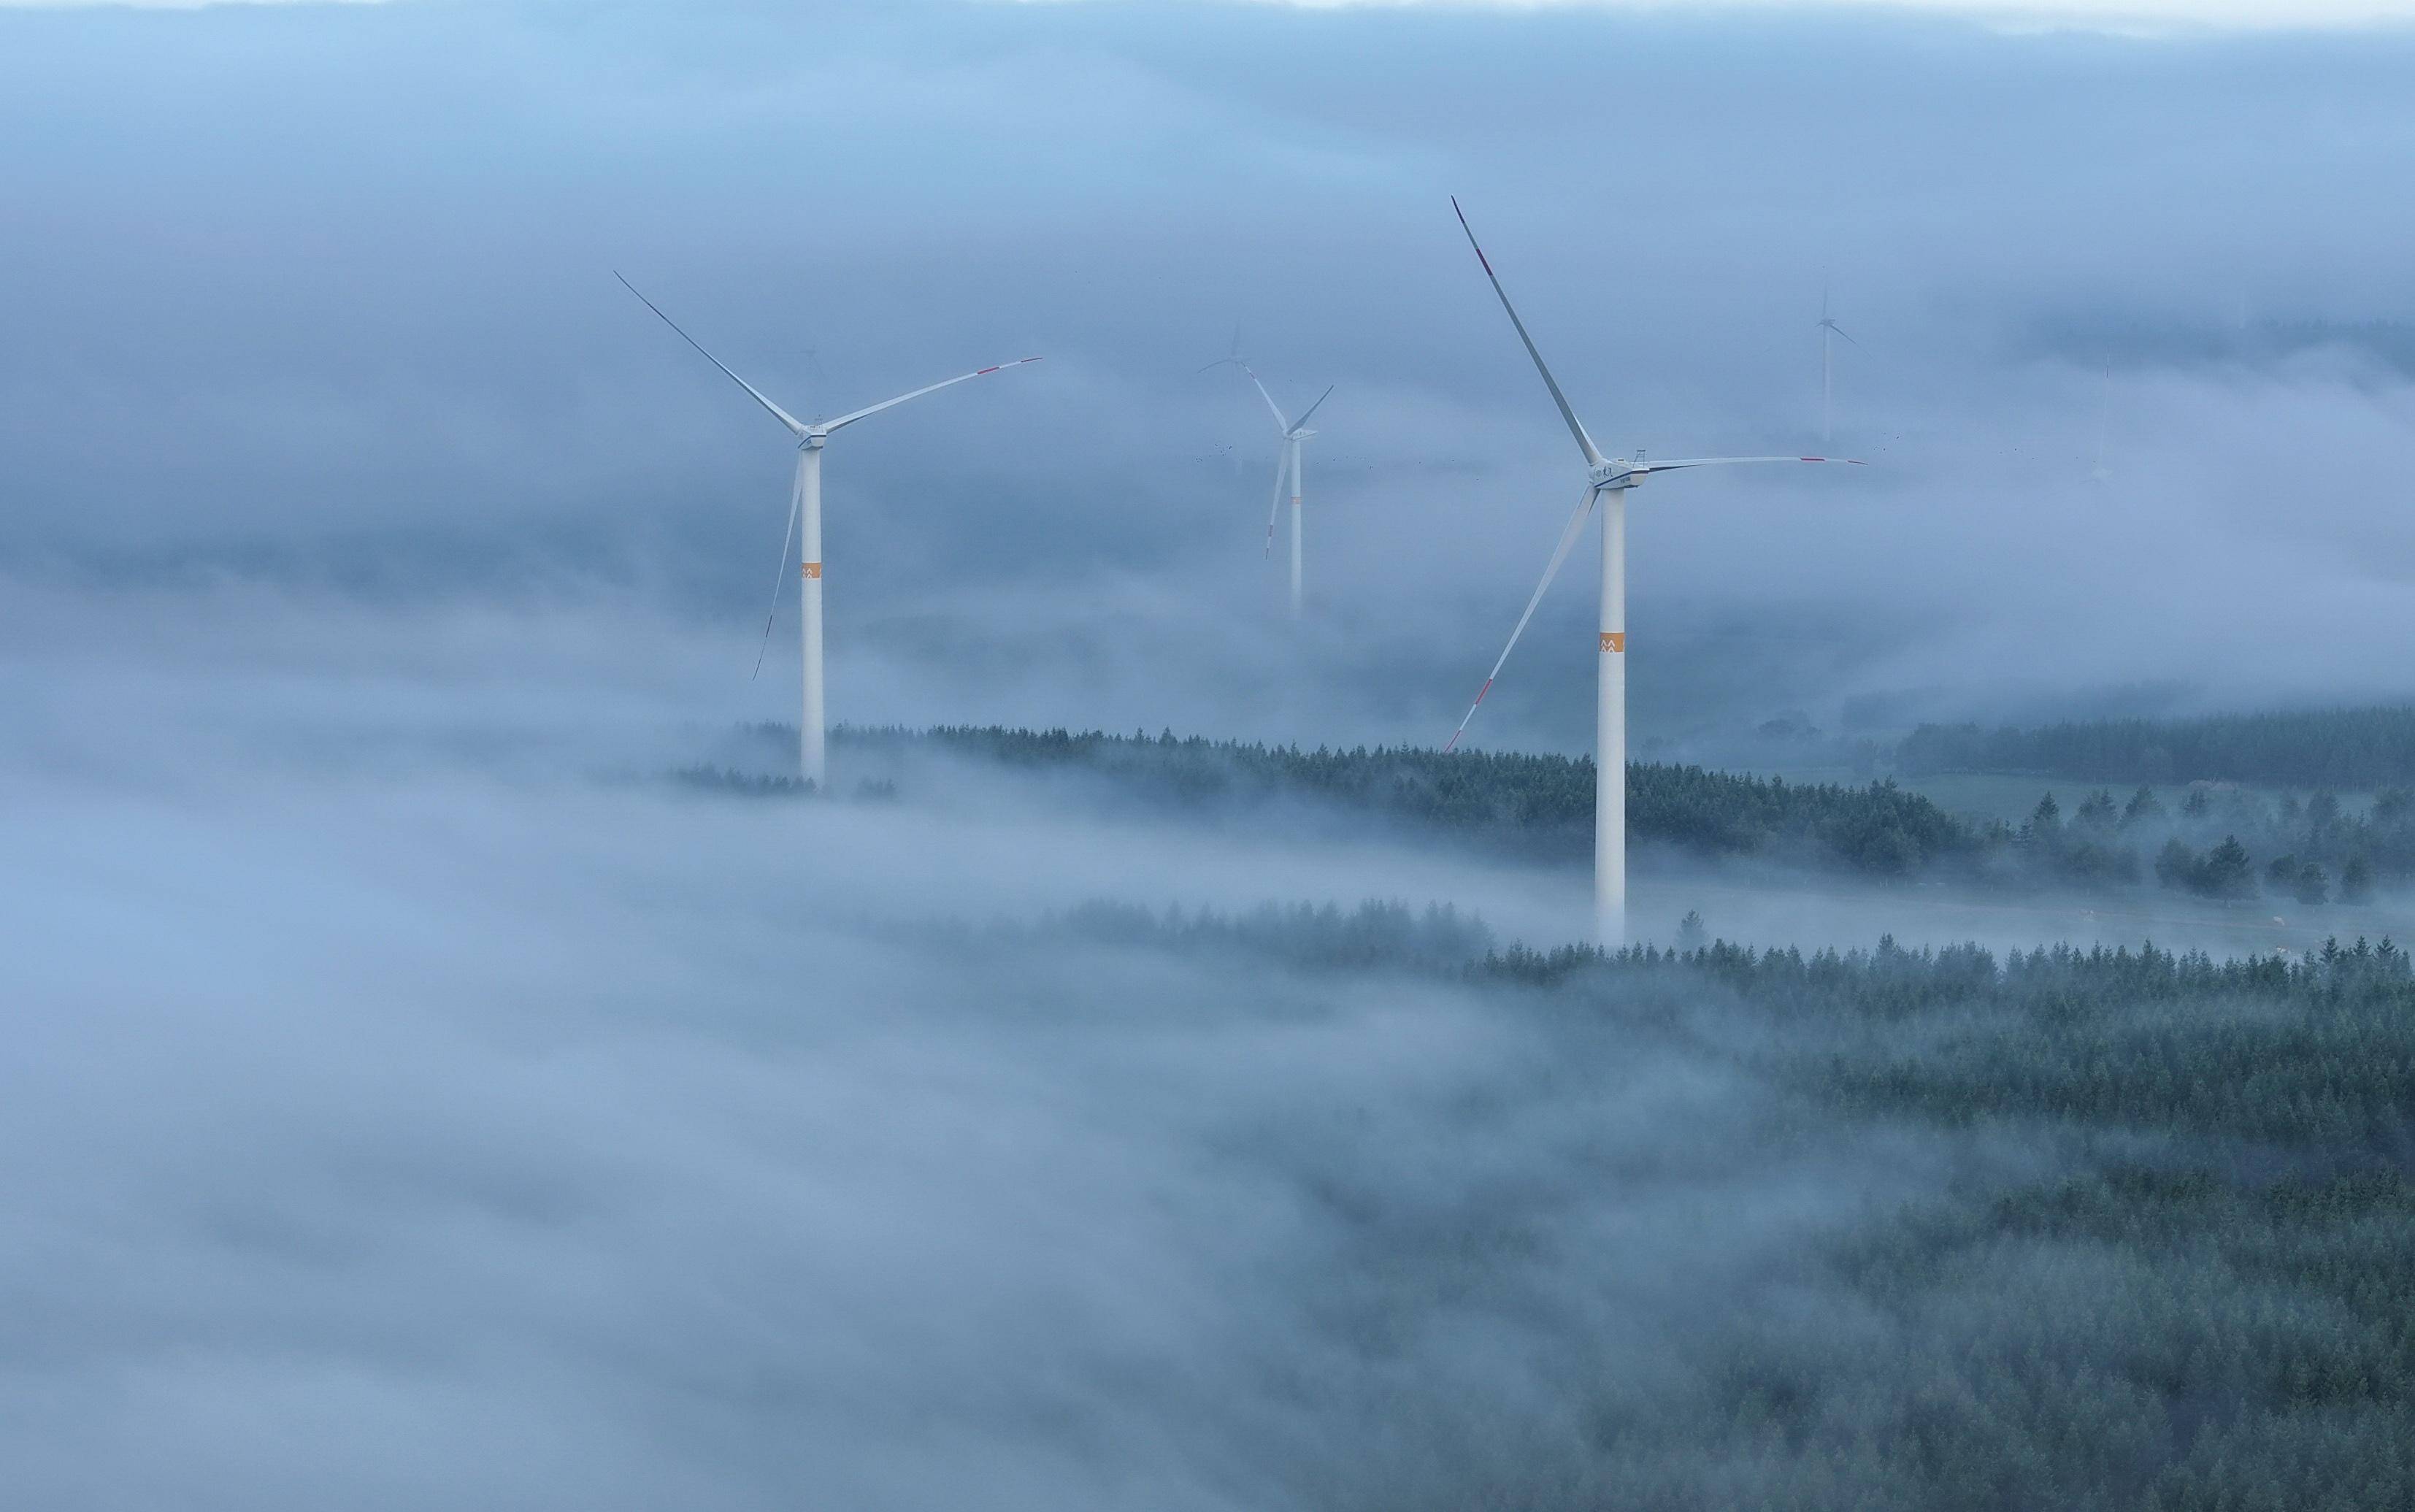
(813, 569)
(1613, 640)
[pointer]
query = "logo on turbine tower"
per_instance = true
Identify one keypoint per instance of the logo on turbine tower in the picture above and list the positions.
(1613, 640)
(813, 569)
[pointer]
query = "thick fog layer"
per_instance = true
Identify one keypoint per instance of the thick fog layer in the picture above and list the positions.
(433, 1136)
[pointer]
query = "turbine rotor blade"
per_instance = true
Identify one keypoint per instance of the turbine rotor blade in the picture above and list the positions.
(1842, 331)
(1731, 461)
(1559, 555)
(795, 425)
(1576, 427)
(1272, 408)
(1233, 355)
(853, 415)
(796, 504)
(1311, 408)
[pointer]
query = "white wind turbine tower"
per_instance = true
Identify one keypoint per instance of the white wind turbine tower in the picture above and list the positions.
(1607, 481)
(1289, 434)
(1829, 329)
(805, 506)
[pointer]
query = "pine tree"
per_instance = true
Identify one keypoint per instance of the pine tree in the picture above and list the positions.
(2230, 872)
(2141, 808)
(2322, 815)
(2096, 812)
(2177, 865)
(2314, 888)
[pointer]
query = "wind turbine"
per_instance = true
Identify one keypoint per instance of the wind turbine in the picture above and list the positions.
(805, 502)
(1828, 329)
(1289, 434)
(1607, 481)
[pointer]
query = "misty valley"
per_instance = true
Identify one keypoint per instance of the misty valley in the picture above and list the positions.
(1058, 1114)
(2069, 1226)
(1207, 756)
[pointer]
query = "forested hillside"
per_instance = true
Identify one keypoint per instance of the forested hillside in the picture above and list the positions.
(2193, 1287)
(2217, 843)
(1533, 807)
(2340, 748)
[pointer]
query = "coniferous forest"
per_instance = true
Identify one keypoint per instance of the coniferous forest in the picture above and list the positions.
(2349, 749)
(2215, 842)
(2195, 1288)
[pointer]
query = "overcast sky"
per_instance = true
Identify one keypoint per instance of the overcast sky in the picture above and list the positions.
(2122, 14)
(314, 325)
(2115, 13)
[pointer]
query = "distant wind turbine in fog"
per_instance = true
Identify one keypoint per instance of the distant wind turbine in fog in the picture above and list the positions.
(1607, 481)
(806, 505)
(1829, 330)
(1289, 434)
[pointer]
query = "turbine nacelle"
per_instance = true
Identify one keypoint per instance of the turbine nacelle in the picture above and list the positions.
(1618, 472)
